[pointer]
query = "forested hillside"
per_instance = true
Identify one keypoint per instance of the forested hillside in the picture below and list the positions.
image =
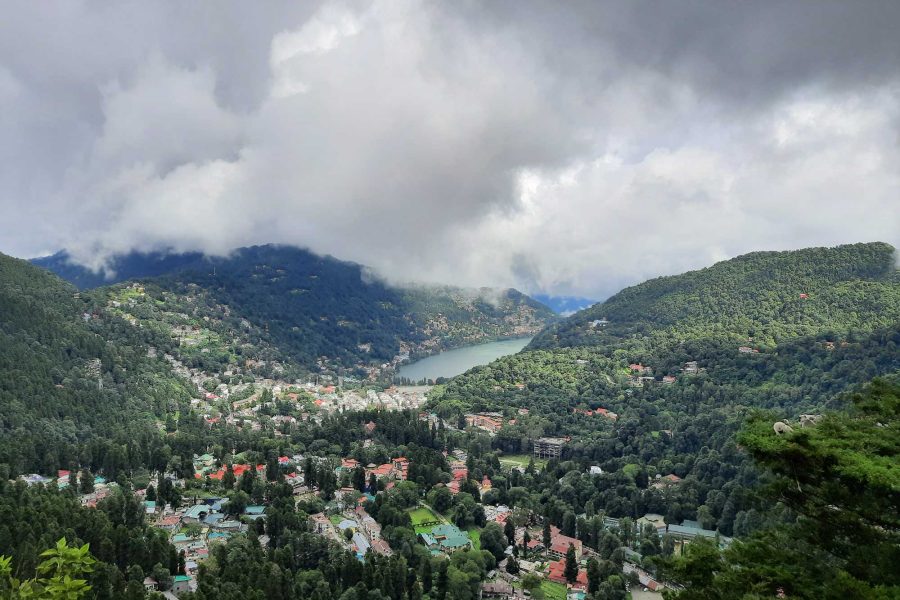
(764, 296)
(675, 367)
(76, 386)
(305, 307)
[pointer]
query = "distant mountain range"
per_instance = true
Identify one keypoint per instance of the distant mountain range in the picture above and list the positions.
(564, 305)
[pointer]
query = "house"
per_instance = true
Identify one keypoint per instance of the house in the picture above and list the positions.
(150, 584)
(559, 544)
(446, 538)
(369, 428)
(255, 512)
(667, 379)
(547, 447)
(181, 584)
(691, 367)
(381, 547)
(555, 573)
(747, 350)
(196, 513)
(595, 470)
(499, 590)
(488, 422)
(320, 523)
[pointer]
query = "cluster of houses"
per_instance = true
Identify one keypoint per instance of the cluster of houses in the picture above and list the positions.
(365, 532)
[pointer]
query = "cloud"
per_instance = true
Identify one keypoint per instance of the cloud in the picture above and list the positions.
(571, 149)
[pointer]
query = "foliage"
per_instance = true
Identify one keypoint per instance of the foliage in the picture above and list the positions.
(59, 575)
(841, 482)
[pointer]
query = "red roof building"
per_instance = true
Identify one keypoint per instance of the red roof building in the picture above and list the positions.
(555, 572)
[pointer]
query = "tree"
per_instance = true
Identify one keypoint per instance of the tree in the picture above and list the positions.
(839, 479)
(512, 566)
(86, 484)
(571, 569)
(593, 576)
(546, 535)
(526, 539)
(510, 530)
(59, 575)
(359, 479)
(426, 575)
(493, 540)
(228, 479)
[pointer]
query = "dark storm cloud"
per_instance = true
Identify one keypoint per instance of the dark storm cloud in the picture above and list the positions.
(570, 147)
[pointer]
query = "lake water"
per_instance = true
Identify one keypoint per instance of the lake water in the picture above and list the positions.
(460, 360)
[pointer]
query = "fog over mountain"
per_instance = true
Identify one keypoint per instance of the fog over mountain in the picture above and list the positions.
(568, 148)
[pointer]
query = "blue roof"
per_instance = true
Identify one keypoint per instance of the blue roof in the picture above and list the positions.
(254, 510)
(194, 511)
(213, 518)
(362, 544)
(346, 524)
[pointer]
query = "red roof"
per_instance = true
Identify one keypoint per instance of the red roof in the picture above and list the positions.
(556, 570)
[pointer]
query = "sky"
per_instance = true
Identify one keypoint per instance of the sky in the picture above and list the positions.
(568, 148)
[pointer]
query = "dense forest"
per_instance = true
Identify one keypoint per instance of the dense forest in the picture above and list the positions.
(668, 365)
(76, 388)
(310, 307)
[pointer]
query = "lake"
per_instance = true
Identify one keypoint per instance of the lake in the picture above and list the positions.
(460, 360)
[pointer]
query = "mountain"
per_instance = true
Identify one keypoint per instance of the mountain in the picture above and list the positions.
(654, 384)
(764, 297)
(76, 384)
(564, 305)
(120, 268)
(297, 307)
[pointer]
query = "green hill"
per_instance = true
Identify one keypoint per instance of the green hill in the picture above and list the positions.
(678, 412)
(75, 386)
(292, 306)
(767, 296)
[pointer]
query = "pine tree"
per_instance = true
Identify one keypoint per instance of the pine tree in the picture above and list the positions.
(593, 576)
(571, 569)
(426, 575)
(510, 530)
(546, 535)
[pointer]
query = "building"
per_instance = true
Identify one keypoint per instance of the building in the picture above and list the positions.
(446, 538)
(555, 573)
(559, 544)
(499, 590)
(548, 447)
(181, 584)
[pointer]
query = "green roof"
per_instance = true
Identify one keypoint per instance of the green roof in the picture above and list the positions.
(449, 536)
(182, 578)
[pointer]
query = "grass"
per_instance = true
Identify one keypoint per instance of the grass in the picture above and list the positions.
(421, 515)
(553, 590)
(335, 519)
(521, 460)
(474, 535)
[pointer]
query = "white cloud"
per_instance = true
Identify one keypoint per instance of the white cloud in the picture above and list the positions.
(531, 147)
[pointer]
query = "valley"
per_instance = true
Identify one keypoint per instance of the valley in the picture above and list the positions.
(244, 425)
